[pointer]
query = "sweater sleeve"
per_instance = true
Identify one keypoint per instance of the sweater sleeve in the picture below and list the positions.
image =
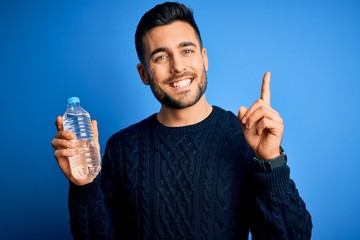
(278, 210)
(88, 215)
(95, 208)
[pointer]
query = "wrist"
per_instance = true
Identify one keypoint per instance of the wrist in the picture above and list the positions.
(269, 165)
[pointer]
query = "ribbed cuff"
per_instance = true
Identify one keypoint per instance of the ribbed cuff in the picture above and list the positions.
(86, 194)
(275, 182)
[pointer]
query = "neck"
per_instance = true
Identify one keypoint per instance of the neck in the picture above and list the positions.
(171, 117)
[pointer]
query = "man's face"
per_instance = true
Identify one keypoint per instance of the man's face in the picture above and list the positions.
(175, 65)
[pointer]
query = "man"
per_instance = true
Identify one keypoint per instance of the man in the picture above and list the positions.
(191, 171)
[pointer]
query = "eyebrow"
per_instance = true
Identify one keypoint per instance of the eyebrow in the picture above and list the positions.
(182, 44)
(186, 44)
(157, 50)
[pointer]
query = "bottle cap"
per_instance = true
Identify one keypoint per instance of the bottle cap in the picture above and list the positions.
(71, 100)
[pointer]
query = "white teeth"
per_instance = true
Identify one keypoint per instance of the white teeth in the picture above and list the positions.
(182, 83)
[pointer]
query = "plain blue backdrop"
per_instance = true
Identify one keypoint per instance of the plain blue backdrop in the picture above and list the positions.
(51, 50)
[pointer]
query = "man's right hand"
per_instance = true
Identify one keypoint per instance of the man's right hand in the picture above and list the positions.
(64, 148)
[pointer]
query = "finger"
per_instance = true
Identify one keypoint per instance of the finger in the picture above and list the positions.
(95, 132)
(265, 88)
(63, 153)
(65, 134)
(58, 143)
(260, 113)
(95, 129)
(241, 114)
(248, 112)
(274, 127)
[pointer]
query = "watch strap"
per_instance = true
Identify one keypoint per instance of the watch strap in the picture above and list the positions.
(269, 165)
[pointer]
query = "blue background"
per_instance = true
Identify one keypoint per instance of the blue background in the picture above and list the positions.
(51, 50)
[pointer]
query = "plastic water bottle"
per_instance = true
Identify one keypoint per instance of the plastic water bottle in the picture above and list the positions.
(86, 162)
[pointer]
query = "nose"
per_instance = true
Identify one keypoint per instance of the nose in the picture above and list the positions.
(177, 65)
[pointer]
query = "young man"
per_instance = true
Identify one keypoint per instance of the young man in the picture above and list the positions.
(191, 171)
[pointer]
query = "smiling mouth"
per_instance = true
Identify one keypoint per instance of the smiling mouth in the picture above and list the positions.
(182, 83)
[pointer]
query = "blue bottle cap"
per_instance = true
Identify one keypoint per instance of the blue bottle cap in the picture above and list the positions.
(71, 100)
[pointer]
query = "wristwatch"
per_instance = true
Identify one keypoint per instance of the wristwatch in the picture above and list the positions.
(269, 165)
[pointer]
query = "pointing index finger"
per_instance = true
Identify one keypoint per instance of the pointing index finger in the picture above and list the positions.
(265, 88)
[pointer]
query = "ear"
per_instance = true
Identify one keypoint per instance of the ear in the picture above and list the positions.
(205, 58)
(142, 73)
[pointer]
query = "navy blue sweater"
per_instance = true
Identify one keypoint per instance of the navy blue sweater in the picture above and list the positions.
(193, 182)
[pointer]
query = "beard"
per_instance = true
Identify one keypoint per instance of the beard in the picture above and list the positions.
(183, 99)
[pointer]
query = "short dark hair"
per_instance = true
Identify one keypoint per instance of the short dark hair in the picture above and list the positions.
(162, 14)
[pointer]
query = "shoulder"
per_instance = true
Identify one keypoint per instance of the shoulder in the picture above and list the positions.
(133, 130)
(234, 135)
(227, 118)
(228, 123)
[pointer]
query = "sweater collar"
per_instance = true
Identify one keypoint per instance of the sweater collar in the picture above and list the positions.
(214, 115)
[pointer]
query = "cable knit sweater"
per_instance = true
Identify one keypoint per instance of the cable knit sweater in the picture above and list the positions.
(193, 182)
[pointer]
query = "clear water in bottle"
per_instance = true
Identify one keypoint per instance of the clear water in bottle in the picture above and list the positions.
(86, 162)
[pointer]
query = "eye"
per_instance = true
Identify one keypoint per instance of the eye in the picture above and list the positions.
(161, 58)
(187, 51)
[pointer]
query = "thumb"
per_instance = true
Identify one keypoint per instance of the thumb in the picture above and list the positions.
(241, 114)
(96, 133)
(95, 130)
(59, 123)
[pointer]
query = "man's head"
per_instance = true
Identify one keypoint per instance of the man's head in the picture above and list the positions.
(160, 15)
(173, 61)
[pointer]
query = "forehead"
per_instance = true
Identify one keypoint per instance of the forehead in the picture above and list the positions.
(170, 35)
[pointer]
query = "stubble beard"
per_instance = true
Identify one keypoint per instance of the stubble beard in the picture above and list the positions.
(183, 99)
